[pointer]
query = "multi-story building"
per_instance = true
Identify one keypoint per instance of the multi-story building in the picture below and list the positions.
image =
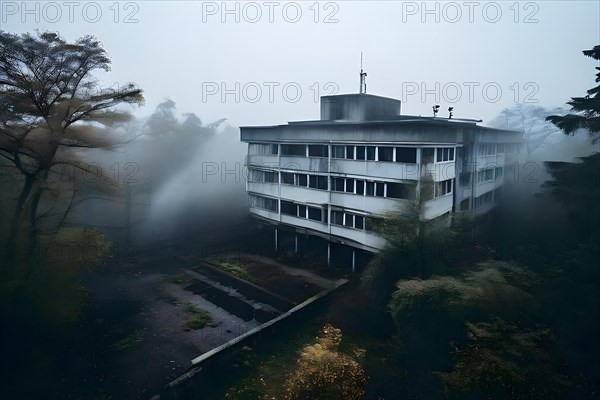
(335, 177)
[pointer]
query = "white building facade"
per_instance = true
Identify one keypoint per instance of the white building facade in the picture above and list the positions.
(335, 177)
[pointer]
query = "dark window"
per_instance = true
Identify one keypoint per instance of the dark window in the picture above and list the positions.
(349, 220)
(370, 191)
(317, 150)
(271, 204)
(350, 185)
(271, 177)
(287, 178)
(370, 152)
(338, 151)
(399, 191)
(360, 152)
(302, 180)
(444, 187)
(302, 211)
(318, 182)
(464, 205)
(499, 172)
(427, 155)
(262, 149)
(379, 189)
(360, 187)
(314, 213)
(359, 222)
(288, 208)
(406, 154)
(337, 218)
(385, 153)
(350, 152)
(293, 150)
(337, 184)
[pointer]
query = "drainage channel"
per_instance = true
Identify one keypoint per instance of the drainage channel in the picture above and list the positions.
(231, 299)
(233, 304)
(246, 288)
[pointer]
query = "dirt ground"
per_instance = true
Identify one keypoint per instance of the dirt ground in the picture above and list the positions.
(137, 339)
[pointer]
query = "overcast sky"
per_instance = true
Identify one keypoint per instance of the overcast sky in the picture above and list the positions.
(263, 63)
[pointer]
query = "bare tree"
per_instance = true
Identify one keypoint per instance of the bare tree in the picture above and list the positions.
(531, 120)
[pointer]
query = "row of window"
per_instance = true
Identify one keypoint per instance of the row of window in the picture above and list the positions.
(260, 149)
(484, 199)
(439, 154)
(265, 203)
(341, 218)
(348, 185)
(302, 211)
(259, 175)
(378, 153)
(489, 149)
(442, 188)
(359, 187)
(489, 174)
(350, 152)
(347, 219)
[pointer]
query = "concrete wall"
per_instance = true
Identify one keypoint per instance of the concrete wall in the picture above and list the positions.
(217, 363)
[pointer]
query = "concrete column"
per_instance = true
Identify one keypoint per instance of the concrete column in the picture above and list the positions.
(276, 241)
(353, 261)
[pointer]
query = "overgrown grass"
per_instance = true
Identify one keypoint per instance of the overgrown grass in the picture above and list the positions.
(179, 279)
(197, 318)
(234, 268)
(163, 294)
(130, 341)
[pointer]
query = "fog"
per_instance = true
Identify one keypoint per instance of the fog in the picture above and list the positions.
(210, 186)
(173, 176)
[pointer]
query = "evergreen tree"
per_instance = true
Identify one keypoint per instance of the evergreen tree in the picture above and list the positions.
(586, 110)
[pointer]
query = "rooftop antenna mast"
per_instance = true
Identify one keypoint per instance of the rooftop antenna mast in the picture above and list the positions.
(363, 75)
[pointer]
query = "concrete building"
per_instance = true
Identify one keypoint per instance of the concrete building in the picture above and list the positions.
(335, 177)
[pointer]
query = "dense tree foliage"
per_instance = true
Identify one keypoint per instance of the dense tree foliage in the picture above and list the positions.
(576, 186)
(507, 361)
(416, 244)
(50, 105)
(586, 109)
